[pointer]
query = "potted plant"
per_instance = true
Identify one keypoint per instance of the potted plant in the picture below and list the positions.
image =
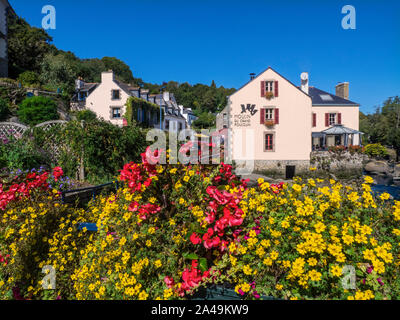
(269, 123)
(269, 95)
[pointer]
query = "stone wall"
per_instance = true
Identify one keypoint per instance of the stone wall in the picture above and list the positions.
(337, 161)
(277, 166)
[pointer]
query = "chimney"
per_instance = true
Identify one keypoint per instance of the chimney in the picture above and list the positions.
(166, 96)
(304, 82)
(252, 76)
(107, 76)
(342, 90)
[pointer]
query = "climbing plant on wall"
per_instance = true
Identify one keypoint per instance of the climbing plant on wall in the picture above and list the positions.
(134, 104)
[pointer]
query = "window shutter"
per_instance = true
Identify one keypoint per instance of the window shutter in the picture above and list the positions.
(326, 119)
(314, 119)
(276, 116)
(276, 89)
(262, 88)
(339, 118)
(262, 116)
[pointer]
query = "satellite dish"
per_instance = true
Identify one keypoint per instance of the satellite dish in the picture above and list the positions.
(304, 76)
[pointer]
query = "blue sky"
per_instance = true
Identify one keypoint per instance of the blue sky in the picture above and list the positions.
(199, 41)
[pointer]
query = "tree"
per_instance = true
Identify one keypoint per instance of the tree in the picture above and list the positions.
(120, 68)
(27, 46)
(57, 72)
(204, 121)
(29, 78)
(86, 115)
(35, 110)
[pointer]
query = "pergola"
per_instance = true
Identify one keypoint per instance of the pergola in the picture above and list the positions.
(338, 129)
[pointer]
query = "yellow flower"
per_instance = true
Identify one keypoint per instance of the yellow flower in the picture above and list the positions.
(312, 261)
(336, 270)
(157, 263)
(314, 275)
(247, 270)
(143, 295)
(384, 196)
(279, 287)
(368, 180)
(148, 243)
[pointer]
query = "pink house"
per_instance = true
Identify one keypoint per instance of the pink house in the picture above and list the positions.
(277, 124)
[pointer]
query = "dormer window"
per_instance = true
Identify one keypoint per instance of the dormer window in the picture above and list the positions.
(116, 94)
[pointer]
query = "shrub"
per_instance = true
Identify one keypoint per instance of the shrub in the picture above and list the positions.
(3, 109)
(35, 110)
(23, 153)
(86, 115)
(29, 78)
(376, 150)
(103, 146)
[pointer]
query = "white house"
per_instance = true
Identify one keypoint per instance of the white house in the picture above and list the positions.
(108, 100)
(276, 123)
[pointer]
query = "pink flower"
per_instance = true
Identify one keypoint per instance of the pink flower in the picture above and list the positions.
(169, 281)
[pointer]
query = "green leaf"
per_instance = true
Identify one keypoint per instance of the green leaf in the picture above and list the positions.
(190, 256)
(203, 264)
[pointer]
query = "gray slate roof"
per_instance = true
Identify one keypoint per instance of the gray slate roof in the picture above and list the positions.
(323, 98)
(340, 129)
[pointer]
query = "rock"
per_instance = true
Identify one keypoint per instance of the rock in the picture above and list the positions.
(396, 171)
(375, 166)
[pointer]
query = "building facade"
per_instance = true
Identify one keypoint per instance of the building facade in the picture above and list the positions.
(276, 123)
(108, 100)
(4, 8)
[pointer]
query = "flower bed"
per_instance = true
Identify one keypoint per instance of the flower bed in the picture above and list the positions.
(175, 229)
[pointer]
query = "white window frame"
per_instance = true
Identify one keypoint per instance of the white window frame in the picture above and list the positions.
(269, 85)
(334, 115)
(269, 113)
(113, 115)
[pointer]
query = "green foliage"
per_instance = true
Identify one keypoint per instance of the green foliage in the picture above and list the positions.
(383, 126)
(204, 121)
(23, 154)
(27, 46)
(57, 72)
(119, 67)
(3, 109)
(29, 78)
(86, 115)
(103, 147)
(376, 150)
(35, 110)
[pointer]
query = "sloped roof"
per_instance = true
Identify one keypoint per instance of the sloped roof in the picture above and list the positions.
(340, 129)
(323, 98)
(255, 78)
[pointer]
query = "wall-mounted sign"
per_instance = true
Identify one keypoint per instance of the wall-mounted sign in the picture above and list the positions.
(243, 119)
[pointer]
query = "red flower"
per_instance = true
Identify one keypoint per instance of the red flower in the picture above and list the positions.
(57, 173)
(195, 239)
